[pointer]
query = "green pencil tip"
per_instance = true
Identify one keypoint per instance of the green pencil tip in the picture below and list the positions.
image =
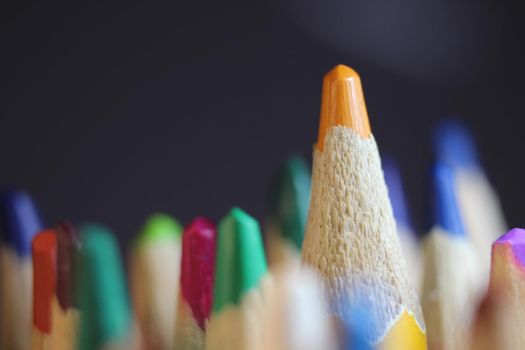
(290, 197)
(105, 313)
(240, 260)
(159, 227)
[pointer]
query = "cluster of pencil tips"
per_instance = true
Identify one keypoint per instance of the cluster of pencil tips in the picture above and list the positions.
(340, 265)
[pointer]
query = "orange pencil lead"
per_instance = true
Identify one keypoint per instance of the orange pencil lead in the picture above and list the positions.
(342, 103)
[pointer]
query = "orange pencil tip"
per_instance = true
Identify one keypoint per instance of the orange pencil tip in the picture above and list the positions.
(342, 103)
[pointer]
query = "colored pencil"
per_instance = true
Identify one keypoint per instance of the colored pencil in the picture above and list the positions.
(507, 281)
(490, 318)
(290, 196)
(407, 235)
(351, 233)
(296, 315)
(105, 314)
(20, 223)
(451, 275)
(44, 248)
(196, 284)
(478, 201)
(238, 301)
(155, 279)
(65, 311)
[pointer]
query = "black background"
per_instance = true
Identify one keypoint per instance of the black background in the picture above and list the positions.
(111, 112)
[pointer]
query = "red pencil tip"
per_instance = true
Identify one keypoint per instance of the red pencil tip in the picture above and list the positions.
(44, 278)
(198, 267)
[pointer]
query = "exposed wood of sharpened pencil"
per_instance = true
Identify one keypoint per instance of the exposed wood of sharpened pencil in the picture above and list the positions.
(350, 234)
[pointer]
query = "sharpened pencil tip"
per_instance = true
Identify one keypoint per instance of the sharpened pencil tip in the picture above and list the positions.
(516, 239)
(240, 261)
(44, 278)
(342, 103)
(445, 212)
(198, 268)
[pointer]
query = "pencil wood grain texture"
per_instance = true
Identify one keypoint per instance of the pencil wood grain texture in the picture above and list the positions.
(351, 234)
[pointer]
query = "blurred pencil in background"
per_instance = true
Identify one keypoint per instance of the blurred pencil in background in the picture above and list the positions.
(44, 248)
(240, 271)
(507, 291)
(155, 271)
(297, 315)
(20, 221)
(407, 235)
(351, 233)
(105, 320)
(65, 313)
(195, 297)
(289, 200)
(479, 205)
(451, 281)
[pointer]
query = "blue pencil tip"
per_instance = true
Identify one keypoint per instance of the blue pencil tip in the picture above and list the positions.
(454, 144)
(20, 220)
(396, 191)
(445, 210)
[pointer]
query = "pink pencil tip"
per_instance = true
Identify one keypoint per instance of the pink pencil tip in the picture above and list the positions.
(198, 267)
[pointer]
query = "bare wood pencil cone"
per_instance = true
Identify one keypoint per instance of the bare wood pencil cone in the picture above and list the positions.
(351, 233)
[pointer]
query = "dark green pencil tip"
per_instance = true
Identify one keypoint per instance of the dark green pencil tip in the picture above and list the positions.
(240, 260)
(290, 197)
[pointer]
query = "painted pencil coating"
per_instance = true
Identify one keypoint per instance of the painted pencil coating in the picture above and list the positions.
(198, 268)
(44, 278)
(68, 245)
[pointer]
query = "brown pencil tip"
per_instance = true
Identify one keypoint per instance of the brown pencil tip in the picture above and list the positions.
(342, 103)
(67, 249)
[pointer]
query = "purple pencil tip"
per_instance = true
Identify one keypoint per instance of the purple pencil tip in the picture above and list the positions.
(516, 239)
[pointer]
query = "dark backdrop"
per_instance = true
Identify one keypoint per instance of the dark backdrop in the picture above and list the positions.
(110, 112)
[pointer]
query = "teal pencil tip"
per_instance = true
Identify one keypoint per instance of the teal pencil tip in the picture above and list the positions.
(240, 260)
(105, 313)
